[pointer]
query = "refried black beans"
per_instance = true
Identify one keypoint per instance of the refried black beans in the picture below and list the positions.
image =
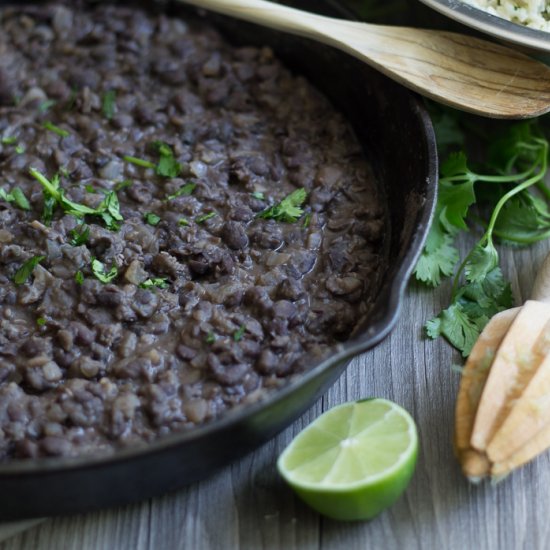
(184, 225)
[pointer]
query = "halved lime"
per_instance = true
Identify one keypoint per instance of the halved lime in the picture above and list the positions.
(354, 460)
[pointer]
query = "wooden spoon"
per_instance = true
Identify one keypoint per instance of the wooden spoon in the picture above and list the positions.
(461, 71)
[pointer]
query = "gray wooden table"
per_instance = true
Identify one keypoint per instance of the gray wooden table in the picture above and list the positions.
(246, 506)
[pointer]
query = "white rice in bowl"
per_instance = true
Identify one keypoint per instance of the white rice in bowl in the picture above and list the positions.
(532, 13)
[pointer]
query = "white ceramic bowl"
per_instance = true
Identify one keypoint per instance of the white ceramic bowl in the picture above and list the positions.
(491, 24)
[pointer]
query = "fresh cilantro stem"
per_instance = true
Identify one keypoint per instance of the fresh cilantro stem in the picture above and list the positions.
(487, 238)
(140, 162)
(46, 183)
(56, 129)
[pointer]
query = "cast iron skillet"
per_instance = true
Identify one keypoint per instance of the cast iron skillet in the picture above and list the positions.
(397, 137)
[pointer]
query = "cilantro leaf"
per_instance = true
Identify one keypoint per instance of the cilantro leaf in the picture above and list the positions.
(524, 219)
(456, 192)
(487, 297)
(447, 129)
(159, 282)
(288, 210)
(438, 258)
(151, 219)
(79, 238)
(16, 196)
(98, 269)
(49, 207)
(454, 324)
(238, 335)
(46, 105)
(462, 322)
(25, 271)
(109, 211)
(109, 104)
(183, 191)
(167, 166)
(482, 260)
(79, 277)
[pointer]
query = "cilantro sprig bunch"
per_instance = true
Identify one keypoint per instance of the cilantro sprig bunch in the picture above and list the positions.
(511, 206)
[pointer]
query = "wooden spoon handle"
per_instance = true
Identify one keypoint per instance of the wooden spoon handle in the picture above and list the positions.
(541, 287)
(461, 71)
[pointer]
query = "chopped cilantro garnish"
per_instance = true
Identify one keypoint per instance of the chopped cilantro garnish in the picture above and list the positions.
(307, 220)
(98, 269)
(108, 210)
(109, 104)
(49, 207)
(45, 106)
(211, 338)
(79, 235)
(41, 321)
(151, 219)
(16, 196)
(12, 140)
(20, 199)
(258, 195)
(183, 191)
(238, 335)
(25, 271)
(79, 277)
(167, 166)
(140, 162)
(56, 129)
(204, 217)
(288, 210)
(183, 222)
(159, 282)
